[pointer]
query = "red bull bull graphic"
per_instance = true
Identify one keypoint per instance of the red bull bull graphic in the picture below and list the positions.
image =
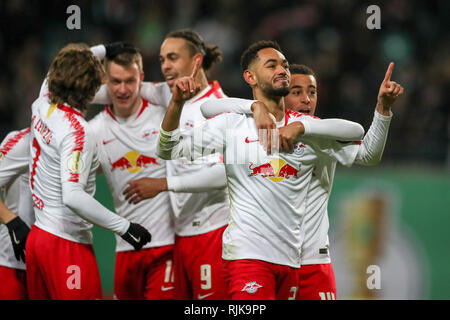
(276, 170)
(132, 161)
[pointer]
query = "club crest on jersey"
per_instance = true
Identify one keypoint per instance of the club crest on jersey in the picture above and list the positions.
(188, 125)
(75, 164)
(276, 170)
(150, 134)
(299, 148)
(1, 157)
(251, 287)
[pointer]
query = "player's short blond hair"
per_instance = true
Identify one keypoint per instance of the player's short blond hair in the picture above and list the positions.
(74, 76)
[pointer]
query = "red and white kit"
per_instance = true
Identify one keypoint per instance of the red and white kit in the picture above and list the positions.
(14, 157)
(60, 259)
(316, 276)
(127, 151)
(267, 197)
(198, 217)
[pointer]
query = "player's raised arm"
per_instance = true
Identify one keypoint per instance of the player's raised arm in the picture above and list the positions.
(388, 93)
(184, 89)
(372, 146)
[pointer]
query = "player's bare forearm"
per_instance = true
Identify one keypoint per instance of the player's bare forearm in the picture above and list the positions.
(6, 215)
(383, 109)
(172, 117)
(144, 188)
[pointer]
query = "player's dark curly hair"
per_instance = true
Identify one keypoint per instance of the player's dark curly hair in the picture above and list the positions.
(251, 53)
(211, 53)
(74, 77)
(301, 69)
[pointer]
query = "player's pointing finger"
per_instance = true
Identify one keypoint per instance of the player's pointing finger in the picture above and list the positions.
(388, 74)
(196, 67)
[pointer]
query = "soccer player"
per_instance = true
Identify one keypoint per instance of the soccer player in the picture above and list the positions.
(201, 217)
(267, 190)
(16, 213)
(316, 276)
(126, 133)
(60, 260)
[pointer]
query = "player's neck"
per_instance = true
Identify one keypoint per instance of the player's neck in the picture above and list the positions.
(275, 105)
(126, 113)
(201, 79)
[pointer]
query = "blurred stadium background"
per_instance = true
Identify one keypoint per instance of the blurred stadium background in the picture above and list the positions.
(395, 216)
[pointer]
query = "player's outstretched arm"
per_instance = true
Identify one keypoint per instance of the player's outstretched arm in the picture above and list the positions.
(372, 146)
(83, 204)
(213, 177)
(183, 89)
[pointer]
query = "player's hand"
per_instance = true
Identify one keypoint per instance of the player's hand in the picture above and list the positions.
(18, 231)
(287, 136)
(185, 88)
(137, 236)
(265, 124)
(116, 48)
(389, 90)
(144, 188)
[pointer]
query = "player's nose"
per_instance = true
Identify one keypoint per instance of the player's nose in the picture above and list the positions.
(305, 98)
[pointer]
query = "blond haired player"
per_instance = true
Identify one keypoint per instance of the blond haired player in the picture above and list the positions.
(60, 260)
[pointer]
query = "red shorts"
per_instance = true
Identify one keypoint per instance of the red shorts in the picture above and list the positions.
(198, 267)
(316, 282)
(60, 269)
(250, 279)
(145, 274)
(13, 284)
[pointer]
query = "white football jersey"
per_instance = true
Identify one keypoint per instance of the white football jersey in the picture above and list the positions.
(195, 213)
(63, 150)
(14, 158)
(315, 248)
(267, 192)
(127, 151)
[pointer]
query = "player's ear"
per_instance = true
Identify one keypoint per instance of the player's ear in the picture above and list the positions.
(249, 77)
(141, 76)
(200, 57)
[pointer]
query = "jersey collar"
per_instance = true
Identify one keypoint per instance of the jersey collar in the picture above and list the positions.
(215, 90)
(68, 109)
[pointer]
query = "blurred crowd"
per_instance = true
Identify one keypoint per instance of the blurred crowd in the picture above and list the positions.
(330, 36)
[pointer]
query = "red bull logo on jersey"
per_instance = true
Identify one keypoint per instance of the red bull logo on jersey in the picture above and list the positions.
(133, 161)
(276, 170)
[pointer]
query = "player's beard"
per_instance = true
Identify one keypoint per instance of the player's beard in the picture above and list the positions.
(272, 91)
